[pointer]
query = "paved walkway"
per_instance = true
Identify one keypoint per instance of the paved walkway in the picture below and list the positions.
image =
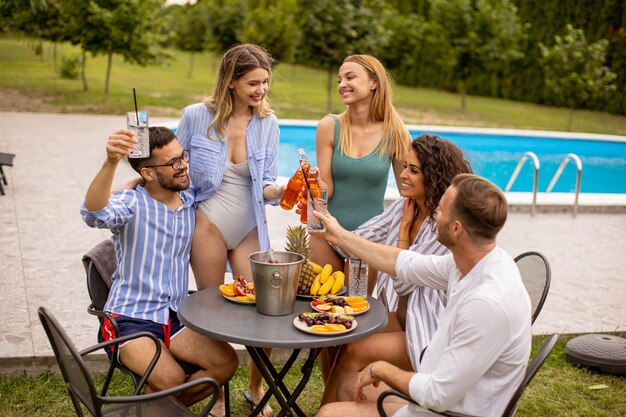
(42, 239)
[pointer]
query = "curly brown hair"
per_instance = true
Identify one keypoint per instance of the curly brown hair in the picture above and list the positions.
(441, 160)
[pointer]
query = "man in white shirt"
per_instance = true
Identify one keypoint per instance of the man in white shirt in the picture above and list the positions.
(478, 355)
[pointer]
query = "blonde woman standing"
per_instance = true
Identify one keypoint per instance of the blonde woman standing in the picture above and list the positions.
(233, 141)
(356, 148)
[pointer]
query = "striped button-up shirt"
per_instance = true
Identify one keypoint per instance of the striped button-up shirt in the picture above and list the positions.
(152, 247)
(424, 305)
(208, 158)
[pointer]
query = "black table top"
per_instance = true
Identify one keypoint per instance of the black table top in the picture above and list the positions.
(208, 312)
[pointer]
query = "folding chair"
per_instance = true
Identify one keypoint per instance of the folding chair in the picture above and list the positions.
(82, 389)
(100, 264)
(536, 275)
(511, 408)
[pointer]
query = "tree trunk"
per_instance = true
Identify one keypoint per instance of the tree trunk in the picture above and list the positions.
(329, 92)
(190, 69)
(463, 94)
(105, 99)
(83, 74)
(570, 116)
(54, 58)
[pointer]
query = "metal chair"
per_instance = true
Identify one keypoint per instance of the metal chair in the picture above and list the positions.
(100, 263)
(83, 391)
(511, 408)
(536, 275)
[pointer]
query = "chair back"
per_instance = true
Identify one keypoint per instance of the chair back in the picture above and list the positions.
(531, 371)
(536, 275)
(78, 380)
(99, 265)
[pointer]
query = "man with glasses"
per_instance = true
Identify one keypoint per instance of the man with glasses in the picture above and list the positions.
(152, 228)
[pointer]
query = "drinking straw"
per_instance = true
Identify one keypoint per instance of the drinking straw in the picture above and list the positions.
(136, 112)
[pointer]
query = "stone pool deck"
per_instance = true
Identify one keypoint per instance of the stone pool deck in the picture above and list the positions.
(42, 240)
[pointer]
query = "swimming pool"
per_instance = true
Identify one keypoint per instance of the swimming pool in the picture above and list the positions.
(494, 153)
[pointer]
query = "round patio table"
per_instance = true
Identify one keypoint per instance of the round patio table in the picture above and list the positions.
(209, 313)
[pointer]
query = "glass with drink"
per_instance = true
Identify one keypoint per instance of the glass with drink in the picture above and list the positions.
(357, 278)
(138, 123)
(316, 200)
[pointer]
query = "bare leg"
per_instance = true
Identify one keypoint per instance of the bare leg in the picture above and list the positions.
(208, 253)
(322, 253)
(240, 264)
(354, 357)
(216, 359)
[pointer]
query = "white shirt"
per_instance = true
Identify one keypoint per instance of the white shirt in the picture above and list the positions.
(478, 355)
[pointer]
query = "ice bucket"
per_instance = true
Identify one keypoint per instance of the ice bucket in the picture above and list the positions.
(275, 284)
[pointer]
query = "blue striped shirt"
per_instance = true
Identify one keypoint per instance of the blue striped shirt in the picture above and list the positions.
(208, 158)
(152, 247)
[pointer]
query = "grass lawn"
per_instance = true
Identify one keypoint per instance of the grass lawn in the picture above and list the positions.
(559, 389)
(297, 92)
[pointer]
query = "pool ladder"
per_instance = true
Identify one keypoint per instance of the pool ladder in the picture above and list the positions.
(557, 174)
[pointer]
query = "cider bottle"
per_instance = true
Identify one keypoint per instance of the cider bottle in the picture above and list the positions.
(312, 186)
(293, 192)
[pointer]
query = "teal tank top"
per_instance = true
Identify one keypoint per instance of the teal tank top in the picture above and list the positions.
(359, 185)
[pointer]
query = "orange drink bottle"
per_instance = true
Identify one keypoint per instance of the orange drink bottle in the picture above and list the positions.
(293, 192)
(312, 186)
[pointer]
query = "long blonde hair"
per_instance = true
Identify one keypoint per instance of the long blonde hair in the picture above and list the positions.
(236, 62)
(395, 138)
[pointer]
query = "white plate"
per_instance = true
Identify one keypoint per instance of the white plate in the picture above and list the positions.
(349, 314)
(236, 301)
(300, 325)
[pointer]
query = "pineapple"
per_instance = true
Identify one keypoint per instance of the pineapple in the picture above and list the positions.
(298, 242)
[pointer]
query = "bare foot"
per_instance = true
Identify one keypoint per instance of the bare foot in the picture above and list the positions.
(254, 396)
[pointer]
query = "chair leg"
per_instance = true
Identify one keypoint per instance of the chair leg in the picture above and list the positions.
(4, 178)
(227, 399)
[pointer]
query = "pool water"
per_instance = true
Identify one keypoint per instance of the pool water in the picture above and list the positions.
(494, 156)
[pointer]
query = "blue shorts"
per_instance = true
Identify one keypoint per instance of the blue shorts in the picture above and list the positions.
(129, 325)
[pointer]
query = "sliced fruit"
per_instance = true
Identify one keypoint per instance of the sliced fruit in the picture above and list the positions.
(348, 310)
(319, 328)
(242, 298)
(337, 310)
(358, 309)
(359, 304)
(354, 299)
(251, 297)
(227, 290)
(324, 306)
(334, 327)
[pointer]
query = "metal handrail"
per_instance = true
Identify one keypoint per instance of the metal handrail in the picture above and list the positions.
(579, 173)
(518, 168)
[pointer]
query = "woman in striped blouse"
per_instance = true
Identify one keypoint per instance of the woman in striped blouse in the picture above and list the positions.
(409, 223)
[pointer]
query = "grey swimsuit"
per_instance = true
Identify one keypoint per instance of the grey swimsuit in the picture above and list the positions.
(230, 208)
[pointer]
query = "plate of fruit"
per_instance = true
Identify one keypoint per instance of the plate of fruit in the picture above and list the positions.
(324, 324)
(340, 305)
(240, 291)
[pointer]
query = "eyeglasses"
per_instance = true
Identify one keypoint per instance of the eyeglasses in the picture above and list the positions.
(174, 163)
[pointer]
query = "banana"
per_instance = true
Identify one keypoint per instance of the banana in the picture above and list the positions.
(339, 279)
(326, 271)
(317, 269)
(316, 285)
(325, 289)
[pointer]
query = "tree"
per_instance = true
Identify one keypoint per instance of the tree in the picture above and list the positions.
(334, 29)
(192, 26)
(272, 25)
(225, 19)
(130, 28)
(574, 70)
(483, 36)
